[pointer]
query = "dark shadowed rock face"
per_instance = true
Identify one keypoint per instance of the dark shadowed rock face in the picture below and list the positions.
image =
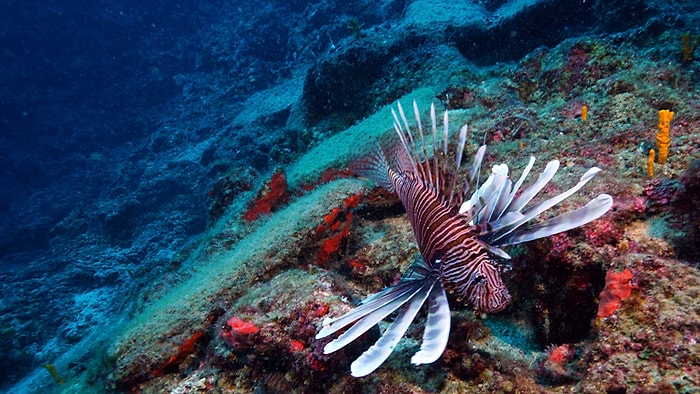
(359, 76)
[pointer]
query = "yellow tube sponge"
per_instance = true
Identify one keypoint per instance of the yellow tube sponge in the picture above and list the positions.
(663, 138)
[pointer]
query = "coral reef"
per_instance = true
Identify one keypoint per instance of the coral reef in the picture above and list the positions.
(185, 222)
(619, 271)
(651, 344)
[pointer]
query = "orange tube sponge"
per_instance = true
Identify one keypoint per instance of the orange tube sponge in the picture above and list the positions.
(650, 163)
(663, 138)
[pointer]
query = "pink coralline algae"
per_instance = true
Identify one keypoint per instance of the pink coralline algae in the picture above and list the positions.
(560, 245)
(660, 194)
(603, 232)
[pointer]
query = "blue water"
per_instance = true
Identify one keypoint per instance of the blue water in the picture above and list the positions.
(85, 87)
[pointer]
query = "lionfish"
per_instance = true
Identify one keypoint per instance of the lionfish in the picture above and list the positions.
(459, 238)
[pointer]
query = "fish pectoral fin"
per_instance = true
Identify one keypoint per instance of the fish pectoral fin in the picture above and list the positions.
(437, 328)
(380, 351)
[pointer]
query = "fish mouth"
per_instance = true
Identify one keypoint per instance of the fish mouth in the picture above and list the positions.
(491, 301)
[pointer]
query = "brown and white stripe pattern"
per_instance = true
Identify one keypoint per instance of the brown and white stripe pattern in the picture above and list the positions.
(444, 235)
(459, 238)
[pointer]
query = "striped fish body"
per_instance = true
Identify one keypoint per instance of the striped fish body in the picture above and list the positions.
(459, 237)
(449, 244)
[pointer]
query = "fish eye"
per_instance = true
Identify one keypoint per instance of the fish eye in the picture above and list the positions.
(478, 278)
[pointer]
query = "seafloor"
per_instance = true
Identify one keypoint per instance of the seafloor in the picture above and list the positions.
(612, 307)
(272, 272)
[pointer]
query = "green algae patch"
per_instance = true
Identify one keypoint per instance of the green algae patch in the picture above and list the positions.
(272, 101)
(354, 141)
(157, 336)
(431, 13)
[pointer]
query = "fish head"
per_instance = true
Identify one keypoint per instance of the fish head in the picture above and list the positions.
(489, 294)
